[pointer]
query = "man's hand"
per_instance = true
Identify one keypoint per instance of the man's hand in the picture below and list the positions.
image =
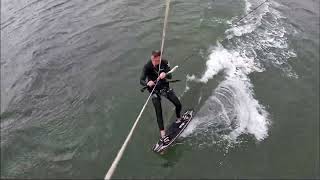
(162, 75)
(150, 83)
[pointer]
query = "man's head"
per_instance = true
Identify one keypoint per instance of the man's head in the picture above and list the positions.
(155, 57)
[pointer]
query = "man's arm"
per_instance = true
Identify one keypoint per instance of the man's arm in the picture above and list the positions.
(143, 76)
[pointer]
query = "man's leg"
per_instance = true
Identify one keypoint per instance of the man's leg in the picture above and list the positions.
(156, 100)
(175, 100)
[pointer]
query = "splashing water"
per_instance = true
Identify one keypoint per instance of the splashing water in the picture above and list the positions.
(232, 109)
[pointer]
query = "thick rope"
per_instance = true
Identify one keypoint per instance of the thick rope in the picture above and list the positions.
(120, 153)
(164, 30)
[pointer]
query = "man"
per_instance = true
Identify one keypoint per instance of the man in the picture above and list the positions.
(150, 73)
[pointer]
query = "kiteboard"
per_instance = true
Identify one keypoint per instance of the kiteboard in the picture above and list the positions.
(173, 132)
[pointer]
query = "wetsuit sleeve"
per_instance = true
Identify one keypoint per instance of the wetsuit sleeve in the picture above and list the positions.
(143, 76)
(167, 69)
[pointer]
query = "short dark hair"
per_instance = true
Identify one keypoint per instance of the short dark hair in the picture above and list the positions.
(156, 53)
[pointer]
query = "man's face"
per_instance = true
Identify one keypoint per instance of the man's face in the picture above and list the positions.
(156, 59)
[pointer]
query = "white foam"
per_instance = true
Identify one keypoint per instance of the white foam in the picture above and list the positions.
(232, 62)
(247, 6)
(232, 101)
(249, 23)
(235, 109)
(232, 109)
(271, 40)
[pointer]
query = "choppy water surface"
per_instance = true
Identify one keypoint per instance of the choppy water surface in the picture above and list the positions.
(70, 92)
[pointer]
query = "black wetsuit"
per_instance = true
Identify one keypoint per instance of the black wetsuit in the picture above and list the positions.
(150, 73)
